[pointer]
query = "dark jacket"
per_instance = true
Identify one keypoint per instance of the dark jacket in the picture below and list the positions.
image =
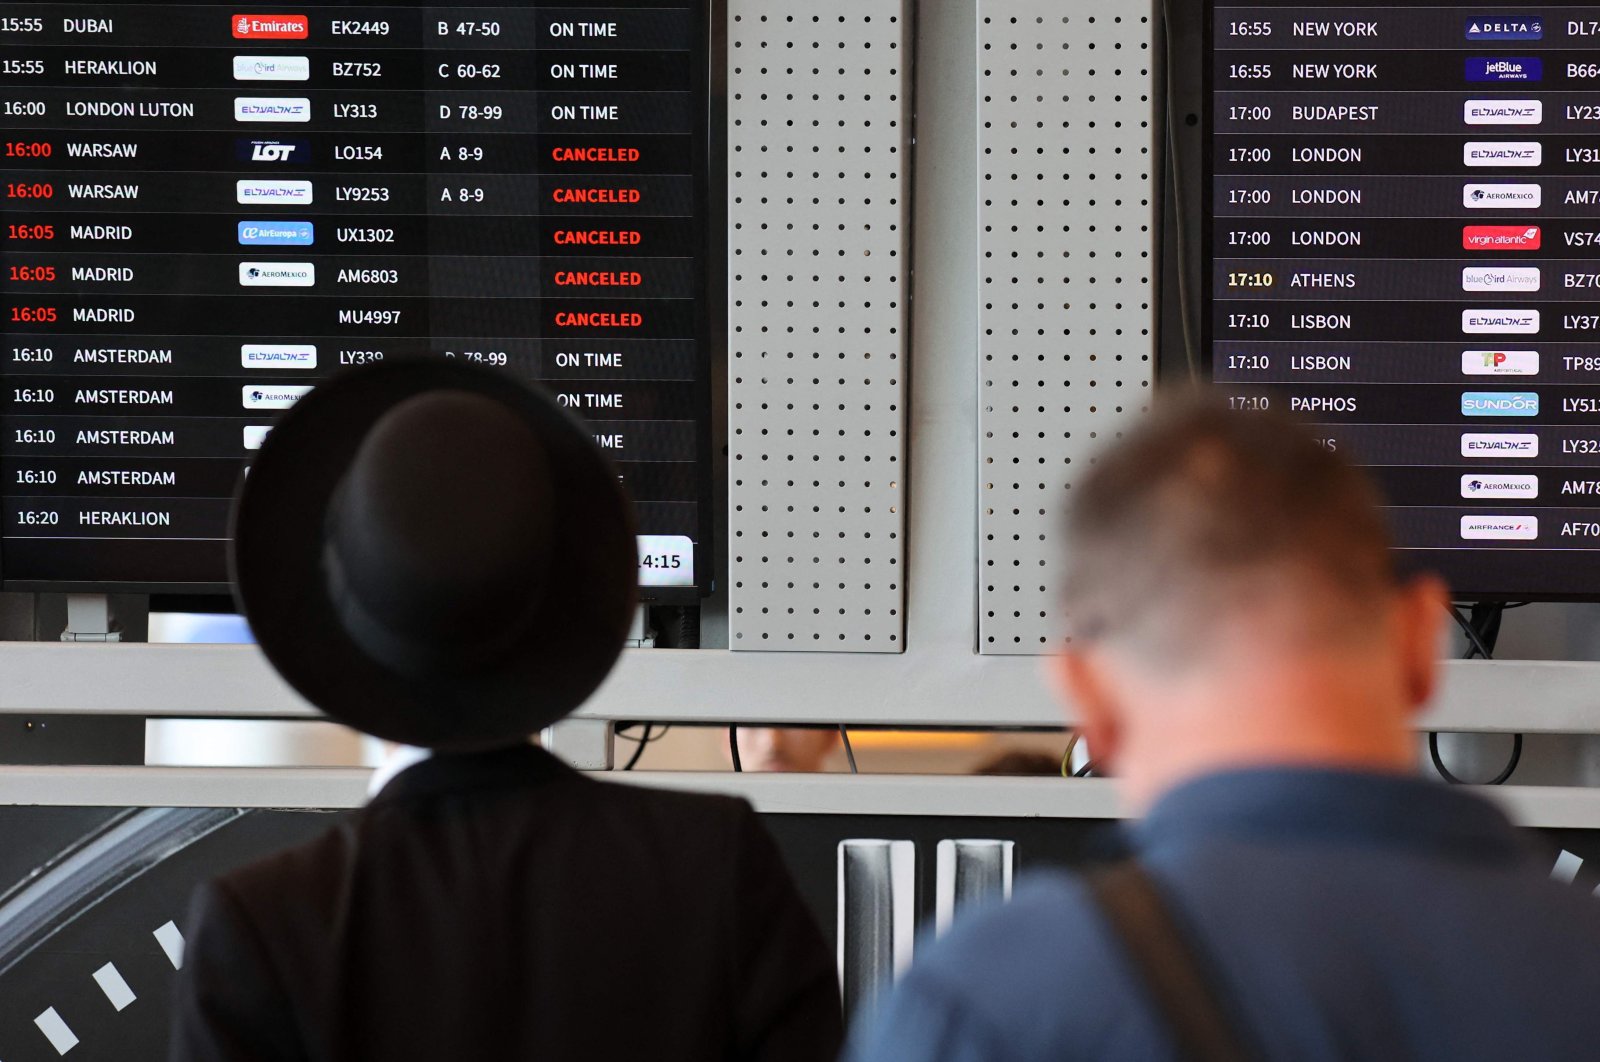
(503, 906)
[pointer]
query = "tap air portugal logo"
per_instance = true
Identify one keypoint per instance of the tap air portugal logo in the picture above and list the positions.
(1500, 362)
(271, 27)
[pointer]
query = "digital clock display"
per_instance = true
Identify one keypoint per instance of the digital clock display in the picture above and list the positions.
(204, 210)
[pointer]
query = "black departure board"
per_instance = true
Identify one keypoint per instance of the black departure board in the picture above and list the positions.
(207, 208)
(1403, 231)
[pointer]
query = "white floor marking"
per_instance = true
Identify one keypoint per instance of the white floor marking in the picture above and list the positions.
(55, 1030)
(114, 986)
(1566, 868)
(171, 942)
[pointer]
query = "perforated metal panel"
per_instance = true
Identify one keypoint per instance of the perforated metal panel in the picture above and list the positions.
(817, 272)
(1067, 172)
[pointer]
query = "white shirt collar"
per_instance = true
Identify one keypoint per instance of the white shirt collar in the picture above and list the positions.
(398, 759)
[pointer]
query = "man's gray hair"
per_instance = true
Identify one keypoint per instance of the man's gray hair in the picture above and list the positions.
(1201, 509)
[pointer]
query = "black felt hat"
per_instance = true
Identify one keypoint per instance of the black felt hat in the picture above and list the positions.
(435, 554)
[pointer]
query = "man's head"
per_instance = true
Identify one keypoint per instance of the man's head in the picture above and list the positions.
(1233, 602)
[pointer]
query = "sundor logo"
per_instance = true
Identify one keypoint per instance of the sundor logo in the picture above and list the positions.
(1500, 404)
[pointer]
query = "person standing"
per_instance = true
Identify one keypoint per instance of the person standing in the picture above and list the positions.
(442, 558)
(1246, 660)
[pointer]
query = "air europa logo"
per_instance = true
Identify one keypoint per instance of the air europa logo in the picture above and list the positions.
(1500, 237)
(271, 27)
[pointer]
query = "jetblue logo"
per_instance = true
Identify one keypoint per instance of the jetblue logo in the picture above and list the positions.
(282, 151)
(277, 233)
(1497, 69)
(1500, 404)
(1505, 28)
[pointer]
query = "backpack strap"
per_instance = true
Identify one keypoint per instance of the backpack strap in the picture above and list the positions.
(1165, 959)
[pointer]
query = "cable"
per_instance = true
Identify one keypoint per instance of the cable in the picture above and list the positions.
(638, 749)
(849, 752)
(1066, 756)
(1086, 771)
(733, 747)
(1482, 631)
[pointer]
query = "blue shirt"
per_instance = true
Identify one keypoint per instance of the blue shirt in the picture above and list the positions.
(1347, 915)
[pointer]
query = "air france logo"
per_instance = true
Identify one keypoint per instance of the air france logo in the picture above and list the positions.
(297, 193)
(1516, 322)
(271, 109)
(1501, 196)
(271, 27)
(277, 233)
(271, 68)
(1500, 363)
(1497, 447)
(1500, 404)
(1505, 28)
(1503, 112)
(1501, 528)
(1500, 487)
(1507, 153)
(268, 396)
(1521, 68)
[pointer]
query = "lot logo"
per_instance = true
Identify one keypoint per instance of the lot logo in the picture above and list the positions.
(1500, 404)
(271, 27)
(1502, 153)
(271, 109)
(1518, 322)
(1504, 528)
(1506, 28)
(1500, 362)
(1500, 487)
(1500, 237)
(277, 233)
(283, 151)
(1522, 68)
(1501, 196)
(1499, 446)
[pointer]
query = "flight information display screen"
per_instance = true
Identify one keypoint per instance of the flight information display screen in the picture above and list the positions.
(207, 208)
(1403, 230)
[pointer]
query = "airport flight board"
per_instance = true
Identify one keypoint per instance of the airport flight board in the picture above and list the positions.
(1403, 233)
(207, 208)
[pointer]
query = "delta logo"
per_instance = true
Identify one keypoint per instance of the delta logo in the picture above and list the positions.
(271, 27)
(1500, 404)
(1505, 28)
(1500, 363)
(1500, 237)
(1519, 68)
